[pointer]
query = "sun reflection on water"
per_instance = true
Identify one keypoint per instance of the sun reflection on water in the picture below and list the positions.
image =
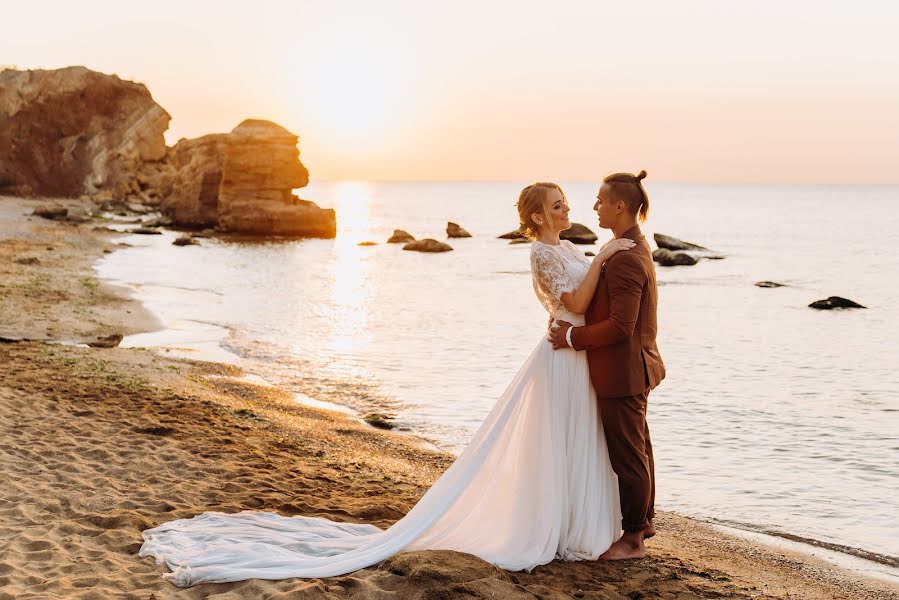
(353, 284)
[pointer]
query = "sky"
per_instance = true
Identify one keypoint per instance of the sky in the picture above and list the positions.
(697, 91)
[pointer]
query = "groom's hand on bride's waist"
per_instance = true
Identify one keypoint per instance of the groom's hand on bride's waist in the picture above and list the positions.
(558, 335)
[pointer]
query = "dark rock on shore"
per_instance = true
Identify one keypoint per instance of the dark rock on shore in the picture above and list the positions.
(835, 302)
(109, 341)
(672, 243)
(428, 245)
(145, 231)
(379, 420)
(400, 237)
(512, 235)
(51, 211)
(769, 284)
(667, 258)
(185, 240)
(453, 230)
(579, 234)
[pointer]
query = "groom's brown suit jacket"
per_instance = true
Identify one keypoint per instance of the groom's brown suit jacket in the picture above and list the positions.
(620, 331)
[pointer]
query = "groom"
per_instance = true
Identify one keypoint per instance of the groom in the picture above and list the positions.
(620, 340)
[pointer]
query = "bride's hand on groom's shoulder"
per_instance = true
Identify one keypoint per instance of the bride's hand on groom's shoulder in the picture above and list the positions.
(613, 246)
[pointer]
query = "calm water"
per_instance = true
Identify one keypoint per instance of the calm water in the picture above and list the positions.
(774, 416)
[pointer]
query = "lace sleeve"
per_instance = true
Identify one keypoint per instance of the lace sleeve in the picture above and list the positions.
(549, 273)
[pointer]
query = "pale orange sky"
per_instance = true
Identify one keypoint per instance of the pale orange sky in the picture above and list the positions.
(690, 91)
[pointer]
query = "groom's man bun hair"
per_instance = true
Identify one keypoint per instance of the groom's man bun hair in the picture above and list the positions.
(628, 188)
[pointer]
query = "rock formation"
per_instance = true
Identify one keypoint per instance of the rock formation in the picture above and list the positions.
(579, 234)
(769, 284)
(428, 245)
(512, 235)
(72, 131)
(243, 182)
(453, 230)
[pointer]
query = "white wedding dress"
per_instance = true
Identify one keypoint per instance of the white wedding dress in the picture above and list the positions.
(534, 484)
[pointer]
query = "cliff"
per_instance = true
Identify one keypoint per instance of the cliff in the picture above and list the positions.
(72, 132)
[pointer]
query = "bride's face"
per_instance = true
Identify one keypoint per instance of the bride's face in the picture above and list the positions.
(556, 211)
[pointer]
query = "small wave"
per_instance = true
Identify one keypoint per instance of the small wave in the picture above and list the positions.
(883, 559)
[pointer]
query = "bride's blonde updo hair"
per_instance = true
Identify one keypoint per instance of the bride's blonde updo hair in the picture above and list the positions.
(532, 199)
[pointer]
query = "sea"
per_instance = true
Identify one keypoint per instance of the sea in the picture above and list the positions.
(774, 418)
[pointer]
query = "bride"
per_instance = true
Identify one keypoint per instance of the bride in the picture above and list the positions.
(534, 483)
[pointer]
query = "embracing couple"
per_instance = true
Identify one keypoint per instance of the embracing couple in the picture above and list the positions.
(562, 463)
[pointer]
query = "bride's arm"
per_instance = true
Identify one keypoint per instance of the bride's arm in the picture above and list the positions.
(578, 300)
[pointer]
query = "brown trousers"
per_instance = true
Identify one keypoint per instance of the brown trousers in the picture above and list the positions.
(630, 451)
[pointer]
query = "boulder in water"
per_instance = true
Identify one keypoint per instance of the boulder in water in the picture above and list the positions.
(667, 258)
(400, 237)
(672, 243)
(835, 302)
(453, 230)
(769, 284)
(428, 245)
(512, 235)
(579, 234)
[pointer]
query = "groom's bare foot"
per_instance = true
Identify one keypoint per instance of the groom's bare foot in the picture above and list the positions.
(649, 531)
(629, 547)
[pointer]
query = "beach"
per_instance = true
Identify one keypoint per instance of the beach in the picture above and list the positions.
(100, 444)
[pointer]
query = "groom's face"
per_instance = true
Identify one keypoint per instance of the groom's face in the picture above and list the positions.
(605, 208)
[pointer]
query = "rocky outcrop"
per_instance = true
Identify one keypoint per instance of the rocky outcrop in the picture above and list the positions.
(769, 284)
(835, 302)
(400, 237)
(73, 131)
(260, 170)
(428, 245)
(453, 230)
(189, 182)
(512, 235)
(578, 234)
(667, 258)
(672, 243)
(243, 182)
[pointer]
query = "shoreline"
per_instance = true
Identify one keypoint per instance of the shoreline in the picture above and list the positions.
(181, 410)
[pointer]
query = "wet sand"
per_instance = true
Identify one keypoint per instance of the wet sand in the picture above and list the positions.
(97, 445)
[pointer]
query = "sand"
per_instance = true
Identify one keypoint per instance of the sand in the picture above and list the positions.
(97, 445)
